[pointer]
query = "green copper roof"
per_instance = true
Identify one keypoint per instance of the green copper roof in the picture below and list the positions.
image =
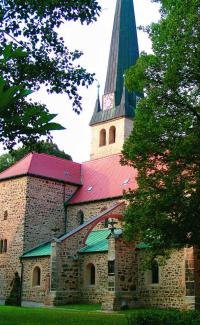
(42, 250)
(123, 53)
(97, 241)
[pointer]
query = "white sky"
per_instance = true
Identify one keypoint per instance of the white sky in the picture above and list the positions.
(94, 41)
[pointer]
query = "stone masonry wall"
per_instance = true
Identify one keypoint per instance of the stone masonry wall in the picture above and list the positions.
(45, 212)
(123, 129)
(170, 291)
(89, 210)
(65, 265)
(126, 266)
(12, 200)
(35, 213)
(93, 293)
(197, 277)
(121, 284)
(31, 292)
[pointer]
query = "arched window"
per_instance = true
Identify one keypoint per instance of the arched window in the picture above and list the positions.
(112, 134)
(102, 138)
(154, 272)
(91, 274)
(80, 216)
(36, 276)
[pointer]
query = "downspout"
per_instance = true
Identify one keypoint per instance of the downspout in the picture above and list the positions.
(21, 284)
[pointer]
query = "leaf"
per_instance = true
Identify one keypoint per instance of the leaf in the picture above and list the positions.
(7, 51)
(53, 127)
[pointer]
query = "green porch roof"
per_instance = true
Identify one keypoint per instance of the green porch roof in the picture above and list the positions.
(97, 241)
(42, 250)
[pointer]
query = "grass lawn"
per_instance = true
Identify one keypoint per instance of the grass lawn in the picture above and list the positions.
(57, 316)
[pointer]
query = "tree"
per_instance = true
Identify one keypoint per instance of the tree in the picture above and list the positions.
(20, 120)
(8, 159)
(165, 143)
(35, 29)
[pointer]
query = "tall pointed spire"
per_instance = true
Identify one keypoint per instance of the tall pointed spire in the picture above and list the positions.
(117, 102)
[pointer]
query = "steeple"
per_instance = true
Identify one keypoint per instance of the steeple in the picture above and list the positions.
(112, 122)
(117, 102)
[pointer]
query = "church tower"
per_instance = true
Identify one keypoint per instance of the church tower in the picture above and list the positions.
(112, 121)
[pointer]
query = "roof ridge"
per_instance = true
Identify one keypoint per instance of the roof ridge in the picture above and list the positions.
(55, 157)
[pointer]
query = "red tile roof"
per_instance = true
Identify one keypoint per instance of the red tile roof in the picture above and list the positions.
(104, 178)
(47, 166)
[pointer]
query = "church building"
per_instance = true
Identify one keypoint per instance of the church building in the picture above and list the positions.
(61, 222)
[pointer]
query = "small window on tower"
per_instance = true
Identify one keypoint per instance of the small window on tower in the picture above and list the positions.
(102, 138)
(112, 134)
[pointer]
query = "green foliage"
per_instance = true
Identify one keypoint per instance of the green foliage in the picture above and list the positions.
(158, 317)
(36, 28)
(8, 159)
(165, 143)
(20, 120)
(33, 54)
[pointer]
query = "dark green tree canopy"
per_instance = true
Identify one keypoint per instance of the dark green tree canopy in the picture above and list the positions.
(8, 159)
(165, 143)
(35, 27)
(33, 54)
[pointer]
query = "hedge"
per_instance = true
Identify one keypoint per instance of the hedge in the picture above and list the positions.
(164, 317)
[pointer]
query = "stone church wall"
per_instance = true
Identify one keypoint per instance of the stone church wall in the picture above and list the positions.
(32, 212)
(32, 292)
(93, 293)
(12, 211)
(89, 209)
(45, 212)
(65, 269)
(170, 291)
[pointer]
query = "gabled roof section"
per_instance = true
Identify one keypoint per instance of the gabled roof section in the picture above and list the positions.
(47, 166)
(94, 241)
(123, 53)
(39, 251)
(97, 241)
(104, 178)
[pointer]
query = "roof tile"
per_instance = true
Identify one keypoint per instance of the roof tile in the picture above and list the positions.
(47, 166)
(104, 178)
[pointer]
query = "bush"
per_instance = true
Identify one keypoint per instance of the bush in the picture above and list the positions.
(164, 317)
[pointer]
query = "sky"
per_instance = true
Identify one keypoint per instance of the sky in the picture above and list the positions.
(94, 41)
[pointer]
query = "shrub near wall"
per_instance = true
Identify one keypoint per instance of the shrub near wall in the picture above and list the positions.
(163, 317)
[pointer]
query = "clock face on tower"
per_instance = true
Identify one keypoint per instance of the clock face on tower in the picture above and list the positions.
(108, 101)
